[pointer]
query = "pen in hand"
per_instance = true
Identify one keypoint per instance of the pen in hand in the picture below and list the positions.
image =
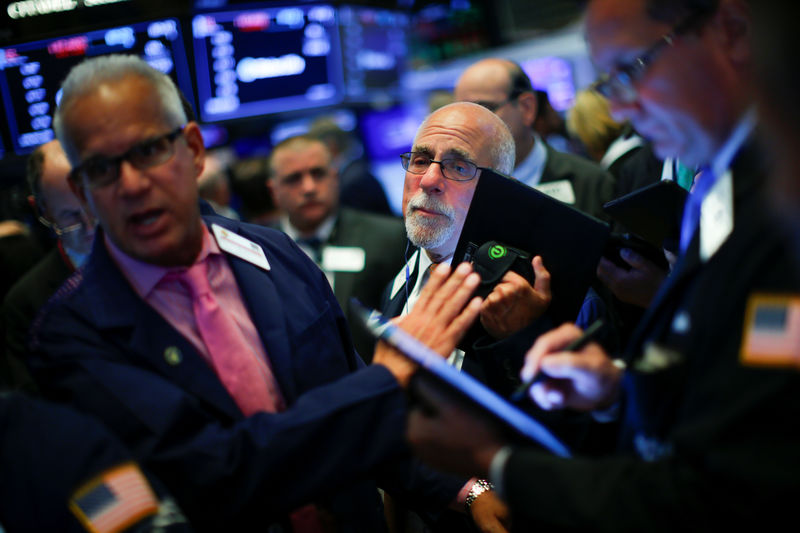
(522, 391)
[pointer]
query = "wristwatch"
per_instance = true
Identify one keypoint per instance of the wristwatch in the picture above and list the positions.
(479, 487)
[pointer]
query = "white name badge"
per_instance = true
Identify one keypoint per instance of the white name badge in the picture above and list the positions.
(242, 248)
(343, 259)
(560, 190)
(716, 216)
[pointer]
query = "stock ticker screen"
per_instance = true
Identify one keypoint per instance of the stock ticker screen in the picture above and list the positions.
(261, 61)
(31, 73)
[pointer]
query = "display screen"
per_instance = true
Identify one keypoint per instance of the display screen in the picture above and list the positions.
(553, 75)
(31, 73)
(374, 50)
(268, 60)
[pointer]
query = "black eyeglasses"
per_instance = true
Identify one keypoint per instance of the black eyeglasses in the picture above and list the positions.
(452, 168)
(100, 171)
(618, 85)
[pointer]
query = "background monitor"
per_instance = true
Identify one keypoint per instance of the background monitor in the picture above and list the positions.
(374, 50)
(260, 61)
(387, 134)
(553, 75)
(31, 73)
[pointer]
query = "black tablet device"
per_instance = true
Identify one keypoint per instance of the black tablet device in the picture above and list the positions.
(570, 242)
(653, 212)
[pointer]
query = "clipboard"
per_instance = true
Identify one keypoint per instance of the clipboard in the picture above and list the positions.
(463, 384)
(570, 242)
(653, 212)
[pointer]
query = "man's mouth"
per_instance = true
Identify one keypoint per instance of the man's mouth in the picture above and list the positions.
(145, 218)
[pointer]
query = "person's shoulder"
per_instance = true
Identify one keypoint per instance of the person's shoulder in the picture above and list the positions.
(564, 163)
(267, 237)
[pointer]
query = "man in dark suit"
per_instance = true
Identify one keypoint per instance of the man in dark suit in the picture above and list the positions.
(358, 251)
(502, 86)
(215, 349)
(708, 400)
(59, 209)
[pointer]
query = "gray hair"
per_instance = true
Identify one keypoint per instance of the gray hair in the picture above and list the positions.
(502, 150)
(88, 75)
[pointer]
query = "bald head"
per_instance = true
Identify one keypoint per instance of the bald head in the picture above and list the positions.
(479, 128)
(502, 86)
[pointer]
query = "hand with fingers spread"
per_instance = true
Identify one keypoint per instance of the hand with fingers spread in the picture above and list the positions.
(636, 286)
(440, 317)
(513, 304)
(586, 380)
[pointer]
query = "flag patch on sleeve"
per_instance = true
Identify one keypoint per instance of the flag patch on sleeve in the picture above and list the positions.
(114, 500)
(772, 331)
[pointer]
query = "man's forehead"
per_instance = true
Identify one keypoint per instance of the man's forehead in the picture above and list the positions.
(300, 155)
(618, 27)
(432, 149)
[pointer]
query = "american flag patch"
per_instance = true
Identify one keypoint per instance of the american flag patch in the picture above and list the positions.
(772, 331)
(114, 500)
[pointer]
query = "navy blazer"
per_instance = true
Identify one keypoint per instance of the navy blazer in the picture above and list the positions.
(101, 348)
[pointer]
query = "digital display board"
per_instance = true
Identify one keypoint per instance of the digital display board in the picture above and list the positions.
(31, 73)
(261, 61)
(374, 50)
(553, 75)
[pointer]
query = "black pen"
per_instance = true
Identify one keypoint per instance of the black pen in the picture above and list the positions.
(574, 346)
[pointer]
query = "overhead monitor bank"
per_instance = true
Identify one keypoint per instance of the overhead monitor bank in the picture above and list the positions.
(31, 73)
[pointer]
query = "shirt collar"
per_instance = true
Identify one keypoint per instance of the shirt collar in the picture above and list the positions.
(145, 276)
(722, 161)
(323, 232)
(530, 169)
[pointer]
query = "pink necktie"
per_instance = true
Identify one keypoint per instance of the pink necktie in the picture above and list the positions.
(246, 377)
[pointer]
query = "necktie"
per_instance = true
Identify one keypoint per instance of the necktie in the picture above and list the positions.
(247, 378)
(314, 245)
(684, 176)
(691, 212)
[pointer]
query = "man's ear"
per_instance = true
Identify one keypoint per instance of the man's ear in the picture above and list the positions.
(194, 141)
(736, 22)
(528, 107)
(270, 188)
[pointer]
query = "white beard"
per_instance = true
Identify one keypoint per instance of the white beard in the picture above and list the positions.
(426, 233)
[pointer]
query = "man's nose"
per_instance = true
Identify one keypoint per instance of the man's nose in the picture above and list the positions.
(433, 178)
(131, 180)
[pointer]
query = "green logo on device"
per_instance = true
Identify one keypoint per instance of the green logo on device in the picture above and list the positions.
(497, 251)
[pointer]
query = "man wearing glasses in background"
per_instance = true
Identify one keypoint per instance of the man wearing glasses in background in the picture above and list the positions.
(708, 402)
(59, 209)
(215, 349)
(503, 87)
